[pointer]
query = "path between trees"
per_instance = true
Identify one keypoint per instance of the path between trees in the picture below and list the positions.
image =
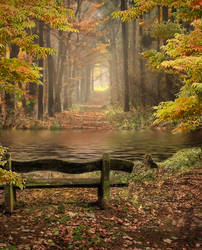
(88, 117)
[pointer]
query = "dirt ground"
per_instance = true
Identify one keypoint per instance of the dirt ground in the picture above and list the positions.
(162, 215)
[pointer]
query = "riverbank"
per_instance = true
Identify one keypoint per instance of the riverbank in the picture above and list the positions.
(159, 210)
(89, 116)
(81, 117)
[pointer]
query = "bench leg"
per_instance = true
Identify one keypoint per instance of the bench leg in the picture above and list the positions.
(104, 188)
(10, 196)
(9, 190)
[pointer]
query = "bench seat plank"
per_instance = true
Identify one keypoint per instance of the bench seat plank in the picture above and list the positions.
(78, 182)
(63, 182)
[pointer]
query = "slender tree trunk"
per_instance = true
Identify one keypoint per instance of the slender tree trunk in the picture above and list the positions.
(10, 97)
(60, 71)
(142, 77)
(134, 65)
(51, 77)
(87, 84)
(159, 77)
(83, 86)
(40, 87)
(125, 58)
(114, 73)
(169, 78)
(66, 96)
(165, 13)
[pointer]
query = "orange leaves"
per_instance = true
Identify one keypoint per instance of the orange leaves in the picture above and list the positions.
(98, 5)
(197, 5)
(86, 26)
(23, 69)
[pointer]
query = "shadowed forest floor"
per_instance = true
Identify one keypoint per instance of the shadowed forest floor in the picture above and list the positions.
(155, 215)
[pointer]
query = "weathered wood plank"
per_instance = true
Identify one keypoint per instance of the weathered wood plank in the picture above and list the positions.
(69, 167)
(104, 188)
(121, 165)
(55, 165)
(78, 182)
(9, 191)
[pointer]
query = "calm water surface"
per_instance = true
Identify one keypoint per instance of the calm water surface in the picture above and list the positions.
(82, 145)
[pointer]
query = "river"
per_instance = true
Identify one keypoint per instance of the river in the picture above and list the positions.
(84, 145)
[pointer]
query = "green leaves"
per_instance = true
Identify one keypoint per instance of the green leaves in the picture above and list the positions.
(7, 176)
(166, 30)
(155, 58)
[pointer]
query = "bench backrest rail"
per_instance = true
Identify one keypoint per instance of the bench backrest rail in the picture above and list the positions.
(69, 167)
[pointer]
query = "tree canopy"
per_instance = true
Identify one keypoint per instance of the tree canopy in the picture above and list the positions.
(17, 22)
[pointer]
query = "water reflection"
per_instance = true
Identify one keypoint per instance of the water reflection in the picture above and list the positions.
(80, 145)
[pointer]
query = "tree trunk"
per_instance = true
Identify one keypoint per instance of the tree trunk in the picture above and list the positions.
(142, 76)
(60, 71)
(51, 74)
(114, 73)
(125, 58)
(10, 97)
(169, 78)
(40, 87)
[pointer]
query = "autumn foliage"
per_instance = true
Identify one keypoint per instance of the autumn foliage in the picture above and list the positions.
(17, 22)
(181, 55)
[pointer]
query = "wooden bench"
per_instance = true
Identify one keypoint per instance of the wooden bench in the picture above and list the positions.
(102, 183)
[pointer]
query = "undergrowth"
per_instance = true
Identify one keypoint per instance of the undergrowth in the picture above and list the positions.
(181, 162)
(128, 120)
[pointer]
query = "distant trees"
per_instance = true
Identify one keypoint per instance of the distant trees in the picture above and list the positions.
(48, 51)
(180, 56)
(133, 84)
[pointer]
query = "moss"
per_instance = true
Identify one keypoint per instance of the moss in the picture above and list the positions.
(183, 160)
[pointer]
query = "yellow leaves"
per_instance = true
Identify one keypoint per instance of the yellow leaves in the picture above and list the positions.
(186, 111)
(141, 23)
(16, 70)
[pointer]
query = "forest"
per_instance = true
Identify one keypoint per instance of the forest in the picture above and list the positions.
(87, 85)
